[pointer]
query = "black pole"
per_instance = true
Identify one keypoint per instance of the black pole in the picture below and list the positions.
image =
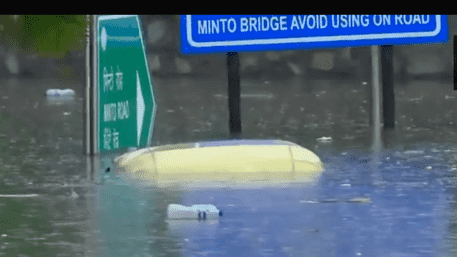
(234, 93)
(388, 100)
(366, 75)
(455, 62)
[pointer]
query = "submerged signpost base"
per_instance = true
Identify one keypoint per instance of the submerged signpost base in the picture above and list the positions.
(388, 100)
(382, 74)
(234, 94)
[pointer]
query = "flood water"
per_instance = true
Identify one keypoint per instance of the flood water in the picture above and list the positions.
(53, 204)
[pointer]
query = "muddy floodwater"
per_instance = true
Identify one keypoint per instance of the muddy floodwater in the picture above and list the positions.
(399, 201)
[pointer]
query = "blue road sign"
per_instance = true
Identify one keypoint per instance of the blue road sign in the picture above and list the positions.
(246, 33)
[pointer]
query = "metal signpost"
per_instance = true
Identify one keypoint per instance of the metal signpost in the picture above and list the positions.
(123, 104)
(202, 34)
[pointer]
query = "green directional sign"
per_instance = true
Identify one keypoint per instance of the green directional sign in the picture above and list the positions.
(126, 103)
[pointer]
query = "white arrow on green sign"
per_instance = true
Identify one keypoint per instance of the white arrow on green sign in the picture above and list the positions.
(126, 102)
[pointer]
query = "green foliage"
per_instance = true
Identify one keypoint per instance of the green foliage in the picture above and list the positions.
(44, 33)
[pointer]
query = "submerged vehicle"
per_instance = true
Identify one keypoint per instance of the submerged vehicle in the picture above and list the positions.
(218, 163)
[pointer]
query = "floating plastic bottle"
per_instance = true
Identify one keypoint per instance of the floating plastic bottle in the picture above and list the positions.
(198, 211)
(60, 92)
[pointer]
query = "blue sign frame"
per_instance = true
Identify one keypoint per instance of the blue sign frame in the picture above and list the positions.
(250, 33)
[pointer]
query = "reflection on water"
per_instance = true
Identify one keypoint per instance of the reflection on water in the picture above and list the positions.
(61, 100)
(411, 183)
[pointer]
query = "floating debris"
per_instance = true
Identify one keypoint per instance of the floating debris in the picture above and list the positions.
(18, 196)
(308, 201)
(73, 193)
(414, 152)
(416, 99)
(420, 129)
(60, 92)
(334, 200)
(197, 211)
(359, 200)
(324, 139)
(259, 95)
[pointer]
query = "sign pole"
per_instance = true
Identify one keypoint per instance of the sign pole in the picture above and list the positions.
(90, 108)
(93, 91)
(376, 68)
(234, 93)
(388, 99)
(86, 109)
